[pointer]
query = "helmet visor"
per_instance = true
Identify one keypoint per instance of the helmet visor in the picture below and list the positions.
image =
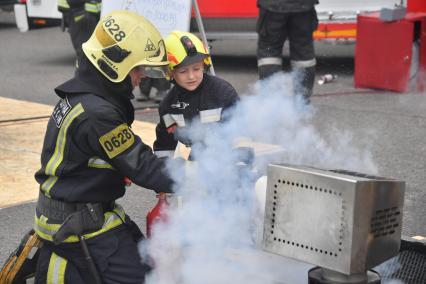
(191, 60)
(155, 71)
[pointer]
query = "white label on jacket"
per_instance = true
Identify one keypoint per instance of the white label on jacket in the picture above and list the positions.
(210, 115)
(168, 120)
(179, 119)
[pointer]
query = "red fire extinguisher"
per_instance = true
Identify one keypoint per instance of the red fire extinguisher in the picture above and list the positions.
(157, 214)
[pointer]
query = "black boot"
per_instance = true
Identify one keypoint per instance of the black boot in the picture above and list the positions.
(268, 70)
(145, 87)
(303, 82)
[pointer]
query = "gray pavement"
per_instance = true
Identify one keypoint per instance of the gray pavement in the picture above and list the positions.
(33, 63)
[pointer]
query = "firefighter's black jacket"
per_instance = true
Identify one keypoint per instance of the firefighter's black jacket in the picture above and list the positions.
(208, 103)
(89, 147)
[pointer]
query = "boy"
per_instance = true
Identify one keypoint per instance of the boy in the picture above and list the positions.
(195, 94)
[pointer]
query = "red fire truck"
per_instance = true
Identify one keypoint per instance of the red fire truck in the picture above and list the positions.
(236, 19)
(224, 19)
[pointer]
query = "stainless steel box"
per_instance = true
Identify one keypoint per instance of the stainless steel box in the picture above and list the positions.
(340, 220)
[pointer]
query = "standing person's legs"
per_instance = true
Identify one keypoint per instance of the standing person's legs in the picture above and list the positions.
(162, 85)
(81, 26)
(145, 87)
(302, 54)
(272, 33)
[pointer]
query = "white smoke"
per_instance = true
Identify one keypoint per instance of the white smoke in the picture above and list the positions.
(218, 198)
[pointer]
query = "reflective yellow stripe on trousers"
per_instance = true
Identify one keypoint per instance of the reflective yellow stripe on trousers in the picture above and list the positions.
(56, 271)
(46, 231)
(58, 155)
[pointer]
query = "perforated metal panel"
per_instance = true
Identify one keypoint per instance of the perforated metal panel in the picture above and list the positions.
(409, 267)
(340, 220)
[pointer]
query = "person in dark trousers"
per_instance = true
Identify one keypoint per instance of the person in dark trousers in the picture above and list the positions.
(89, 154)
(295, 20)
(81, 18)
(195, 95)
(162, 85)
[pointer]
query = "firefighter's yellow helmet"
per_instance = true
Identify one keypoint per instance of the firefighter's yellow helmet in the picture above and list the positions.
(185, 48)
(123, 40)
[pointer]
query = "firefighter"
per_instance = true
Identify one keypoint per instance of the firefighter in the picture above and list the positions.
(89, 149)
(195, 95)
(294, 20)
(81, 17)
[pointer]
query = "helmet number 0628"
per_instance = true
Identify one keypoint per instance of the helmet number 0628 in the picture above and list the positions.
(114, 29)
